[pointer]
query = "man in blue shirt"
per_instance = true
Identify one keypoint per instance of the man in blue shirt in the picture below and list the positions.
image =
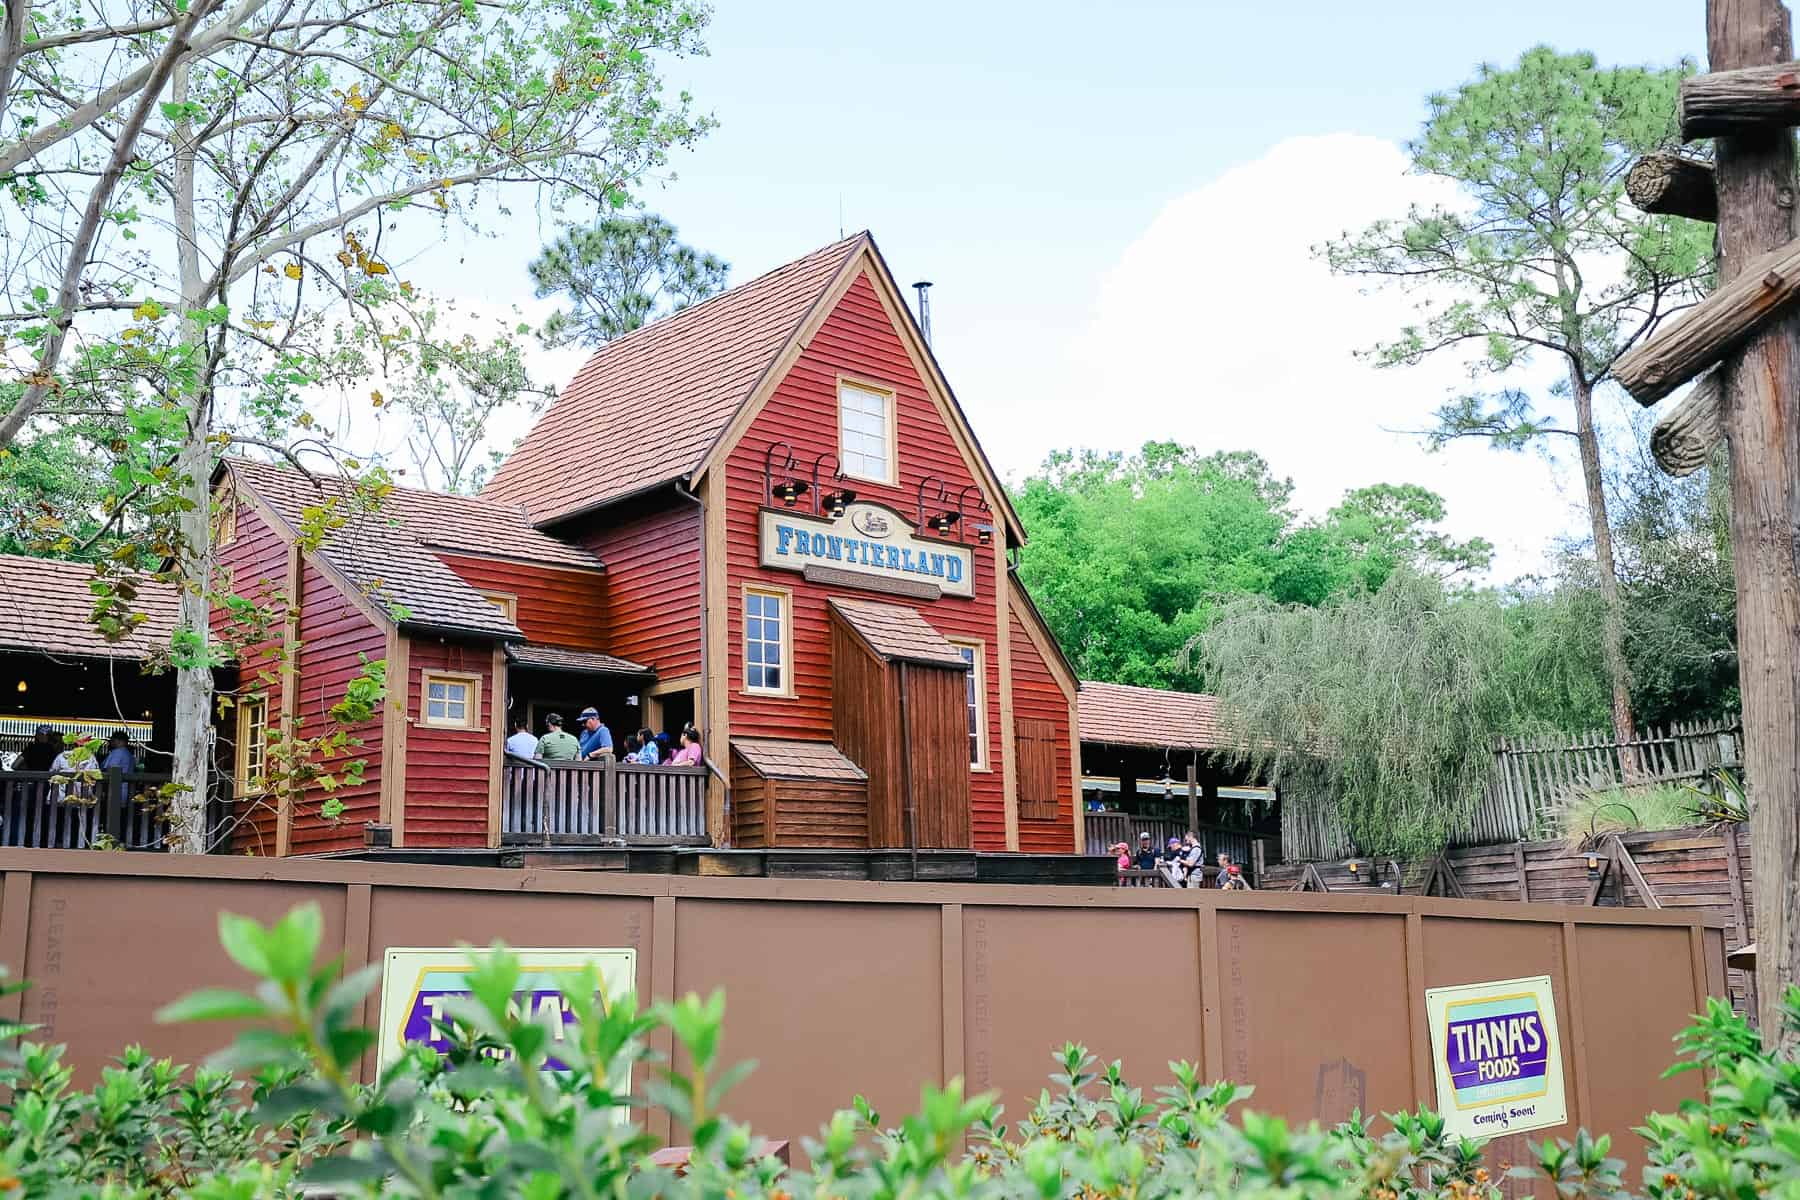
(596, 741)
(119, 756)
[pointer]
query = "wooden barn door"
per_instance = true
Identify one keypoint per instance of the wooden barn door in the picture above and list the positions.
(935, 740)
(1034, 746)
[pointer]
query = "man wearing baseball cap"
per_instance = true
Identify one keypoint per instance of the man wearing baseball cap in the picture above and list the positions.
(596, 741)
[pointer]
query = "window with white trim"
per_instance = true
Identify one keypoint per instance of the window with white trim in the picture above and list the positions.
(449, 701)
(252, 744)
(866, 428)
(507, 604)
(766, 625)
(976, 701)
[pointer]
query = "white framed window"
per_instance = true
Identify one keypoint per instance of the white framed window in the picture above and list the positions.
(449, 700)
(768, 641)
(252, 745)
(507, 603)
(976, 701)
(866, 431)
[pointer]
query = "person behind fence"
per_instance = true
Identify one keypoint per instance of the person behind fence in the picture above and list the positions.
(557, 745)
(1234, 880)
(1193, 860)
(40, 751)
(647, 753)
(596, 738)
(1122, 852)
(1170, 860)
(119, 755)
(1146, 853)
(1225, 870)
(689, 755)
(521, 742)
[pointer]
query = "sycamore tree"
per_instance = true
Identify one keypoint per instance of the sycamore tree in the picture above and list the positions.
(1543, 261)
(196, 197)
(620, 274)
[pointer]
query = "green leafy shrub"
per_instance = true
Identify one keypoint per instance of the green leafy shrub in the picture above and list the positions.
(281, 1110)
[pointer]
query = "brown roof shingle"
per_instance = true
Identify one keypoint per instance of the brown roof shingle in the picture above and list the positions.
(776, 758)
(689, 372)
(559, 658)
(44, 606)
(388, 554)
(897, 633)
(1121, 715)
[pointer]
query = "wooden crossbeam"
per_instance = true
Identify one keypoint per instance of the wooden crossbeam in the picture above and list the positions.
(1311, 881)
(1593, 896)
(1747, 100)
(1673, 185)
(1629, 866)
(1766, 289)
(1447, 875)
(1684, 438)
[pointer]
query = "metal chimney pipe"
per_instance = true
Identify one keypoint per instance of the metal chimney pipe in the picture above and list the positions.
(923, 287)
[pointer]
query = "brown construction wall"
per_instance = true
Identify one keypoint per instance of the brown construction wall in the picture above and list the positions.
(1705, 869)
(838, 988)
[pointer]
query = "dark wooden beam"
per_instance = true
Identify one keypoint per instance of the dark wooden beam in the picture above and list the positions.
(1673, 185)
(1749, 100)
(1766, 288)
(1685, 437)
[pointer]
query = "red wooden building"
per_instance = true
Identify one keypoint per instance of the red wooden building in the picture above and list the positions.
(766, 514)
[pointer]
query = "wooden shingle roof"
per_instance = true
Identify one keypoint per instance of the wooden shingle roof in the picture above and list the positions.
(45, 605)
(1119, 715)
(389, 554)
(689, 373)
(897, 633)
(779, 758)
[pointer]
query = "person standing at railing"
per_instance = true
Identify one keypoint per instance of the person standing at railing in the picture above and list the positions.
(596, 739)
(557, 745)
(40, 752)
(647, 754)
(690, 754)
(521, 742)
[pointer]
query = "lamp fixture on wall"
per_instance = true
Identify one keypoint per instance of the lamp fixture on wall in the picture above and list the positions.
(789, 490)
(22, 687)
(833, 503)
(946, 519)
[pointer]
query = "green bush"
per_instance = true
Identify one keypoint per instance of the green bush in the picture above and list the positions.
(281, 1109)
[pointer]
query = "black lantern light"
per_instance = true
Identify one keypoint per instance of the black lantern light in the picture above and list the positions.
(834, 502)
(984, 533)
(789, 490)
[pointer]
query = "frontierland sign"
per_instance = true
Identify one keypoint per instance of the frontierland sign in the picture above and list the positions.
(871, 541)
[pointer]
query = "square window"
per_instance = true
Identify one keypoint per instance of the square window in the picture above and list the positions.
(451, 701)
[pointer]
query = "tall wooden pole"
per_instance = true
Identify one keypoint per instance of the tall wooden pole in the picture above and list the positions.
(1755, 179)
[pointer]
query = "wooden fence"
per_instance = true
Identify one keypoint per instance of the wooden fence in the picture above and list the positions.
(1532, 777)
(1681, 869)
(72, 811)
(576, 802)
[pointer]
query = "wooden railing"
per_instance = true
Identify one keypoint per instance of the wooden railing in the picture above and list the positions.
(590, 802)
(47, 811)
(1105, 830)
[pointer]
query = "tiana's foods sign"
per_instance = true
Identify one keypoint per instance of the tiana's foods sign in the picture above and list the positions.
(1495, 1051)
(870, 540)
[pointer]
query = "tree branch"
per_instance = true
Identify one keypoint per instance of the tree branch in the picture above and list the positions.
(98, 201)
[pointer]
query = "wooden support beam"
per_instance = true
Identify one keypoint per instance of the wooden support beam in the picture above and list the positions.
(1630, 867)
(1685, 437)
(1673, 185)
(1767, 287)
(1447, 873)
(1593, 896)
(1749, 100)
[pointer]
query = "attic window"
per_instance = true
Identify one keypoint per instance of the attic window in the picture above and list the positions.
(866, 431)
(506, 603)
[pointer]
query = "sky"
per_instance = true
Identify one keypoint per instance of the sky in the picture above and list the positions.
(1117, 204)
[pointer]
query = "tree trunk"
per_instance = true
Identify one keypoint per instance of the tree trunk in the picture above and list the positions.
(1755, 175)
(1613, 637)
(193, 683)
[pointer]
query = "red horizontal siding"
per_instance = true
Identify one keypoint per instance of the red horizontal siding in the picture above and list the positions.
(253, 565)
(1036, 694)
(652, 557)
(556, 607)
(336, 639)
(447, 770)
(856, 339)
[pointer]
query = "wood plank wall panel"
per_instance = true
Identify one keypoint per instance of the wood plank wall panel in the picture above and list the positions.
(819, 814)
(447, 769)
(652, 555)
(336, 637)
(254, 566)
(1037, 696)
(749, 807)
(856, 339)
(555, 607)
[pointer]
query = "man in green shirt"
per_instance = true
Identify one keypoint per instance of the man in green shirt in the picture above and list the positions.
(557, 746)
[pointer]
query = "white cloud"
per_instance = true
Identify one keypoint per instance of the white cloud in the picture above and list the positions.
(1218, 327)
